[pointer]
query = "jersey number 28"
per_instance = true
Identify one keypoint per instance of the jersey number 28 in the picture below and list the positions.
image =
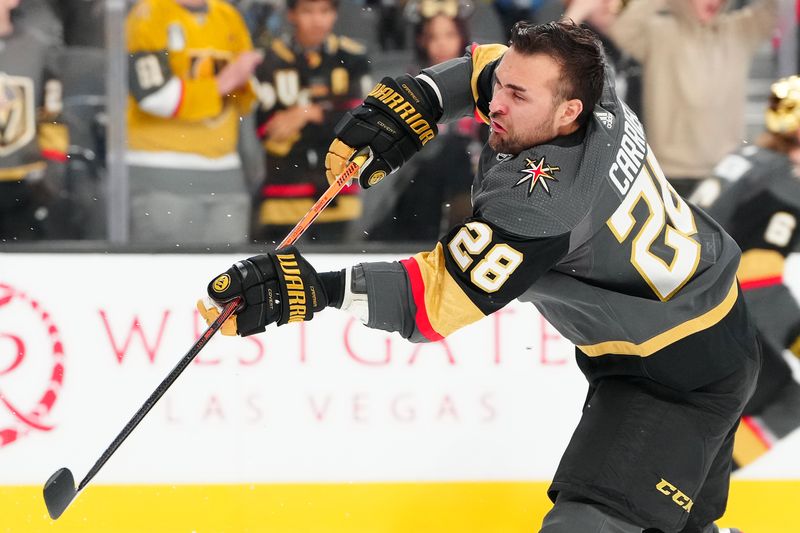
(492, 271)
(669, 213)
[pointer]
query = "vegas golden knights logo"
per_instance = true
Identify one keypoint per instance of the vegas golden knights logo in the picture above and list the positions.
(17, 113)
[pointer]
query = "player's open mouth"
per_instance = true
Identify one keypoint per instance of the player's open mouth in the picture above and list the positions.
(497, 128)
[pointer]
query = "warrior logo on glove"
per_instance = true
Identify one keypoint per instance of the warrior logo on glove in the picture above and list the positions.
(396, 102)
(279, 288)
(295, 290)
(395, 121)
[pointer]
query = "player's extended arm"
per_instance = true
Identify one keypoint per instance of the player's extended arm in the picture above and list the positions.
(399, 115)
(475, 270)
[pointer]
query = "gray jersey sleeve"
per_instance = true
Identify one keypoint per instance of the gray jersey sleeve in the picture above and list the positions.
(464, 84)
(451, 82)
(390, 302)
(433, 294)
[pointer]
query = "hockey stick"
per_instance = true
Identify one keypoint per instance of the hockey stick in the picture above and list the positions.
(361, 159)
(60, 489)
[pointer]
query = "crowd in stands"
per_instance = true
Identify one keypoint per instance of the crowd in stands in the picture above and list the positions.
(232, 105)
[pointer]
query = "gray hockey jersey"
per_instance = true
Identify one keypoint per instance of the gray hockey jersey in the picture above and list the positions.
(587, 229)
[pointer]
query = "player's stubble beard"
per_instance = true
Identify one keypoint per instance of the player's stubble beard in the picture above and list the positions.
(514, 143)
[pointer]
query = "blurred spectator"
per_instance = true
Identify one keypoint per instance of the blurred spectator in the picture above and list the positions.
(440, 35)
(83, 77)
(599, 15)
(83, 22)
(308, 80)
(45, 16)
(418, 12)
(263, 17)
(696, 61)
(33, 139)
(391, 28)
(432, 191)
(760, 207)
(190, 68)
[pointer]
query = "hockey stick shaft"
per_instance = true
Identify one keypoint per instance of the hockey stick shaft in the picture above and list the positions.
(227, 311)
(323, 201)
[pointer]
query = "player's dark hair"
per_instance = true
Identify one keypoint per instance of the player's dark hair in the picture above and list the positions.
(577, 51)
(291, 4)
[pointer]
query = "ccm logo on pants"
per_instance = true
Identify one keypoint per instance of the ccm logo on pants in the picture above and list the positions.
(680, 499)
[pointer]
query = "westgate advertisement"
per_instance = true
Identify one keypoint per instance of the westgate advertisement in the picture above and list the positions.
(84, 339)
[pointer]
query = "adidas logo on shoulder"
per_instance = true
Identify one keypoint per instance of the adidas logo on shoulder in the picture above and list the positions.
(606, 118)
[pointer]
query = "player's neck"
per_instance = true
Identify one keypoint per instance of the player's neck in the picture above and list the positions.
(569, 129)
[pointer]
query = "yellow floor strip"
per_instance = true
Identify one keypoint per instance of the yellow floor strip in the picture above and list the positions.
(756, 507)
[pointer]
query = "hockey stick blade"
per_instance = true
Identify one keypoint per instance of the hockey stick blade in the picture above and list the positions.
(59, 491)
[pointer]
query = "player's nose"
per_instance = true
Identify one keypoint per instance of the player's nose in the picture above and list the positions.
(497, 106)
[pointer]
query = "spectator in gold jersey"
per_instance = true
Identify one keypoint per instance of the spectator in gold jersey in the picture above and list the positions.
(190, 67)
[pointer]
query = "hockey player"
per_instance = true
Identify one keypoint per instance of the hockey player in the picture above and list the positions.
(573, 214)
(308, 80)
(759, 206)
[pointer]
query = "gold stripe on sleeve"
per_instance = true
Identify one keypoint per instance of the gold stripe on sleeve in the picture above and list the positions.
(481, 56)
(447, 306)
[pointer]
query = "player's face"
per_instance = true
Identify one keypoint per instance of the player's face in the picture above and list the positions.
(441, 39)
(706, 10)
(524, 110)
(313, 21)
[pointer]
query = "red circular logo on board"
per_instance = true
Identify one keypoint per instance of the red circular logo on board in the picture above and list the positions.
(31, 365)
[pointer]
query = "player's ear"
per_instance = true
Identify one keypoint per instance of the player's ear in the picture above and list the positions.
(569, 111)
